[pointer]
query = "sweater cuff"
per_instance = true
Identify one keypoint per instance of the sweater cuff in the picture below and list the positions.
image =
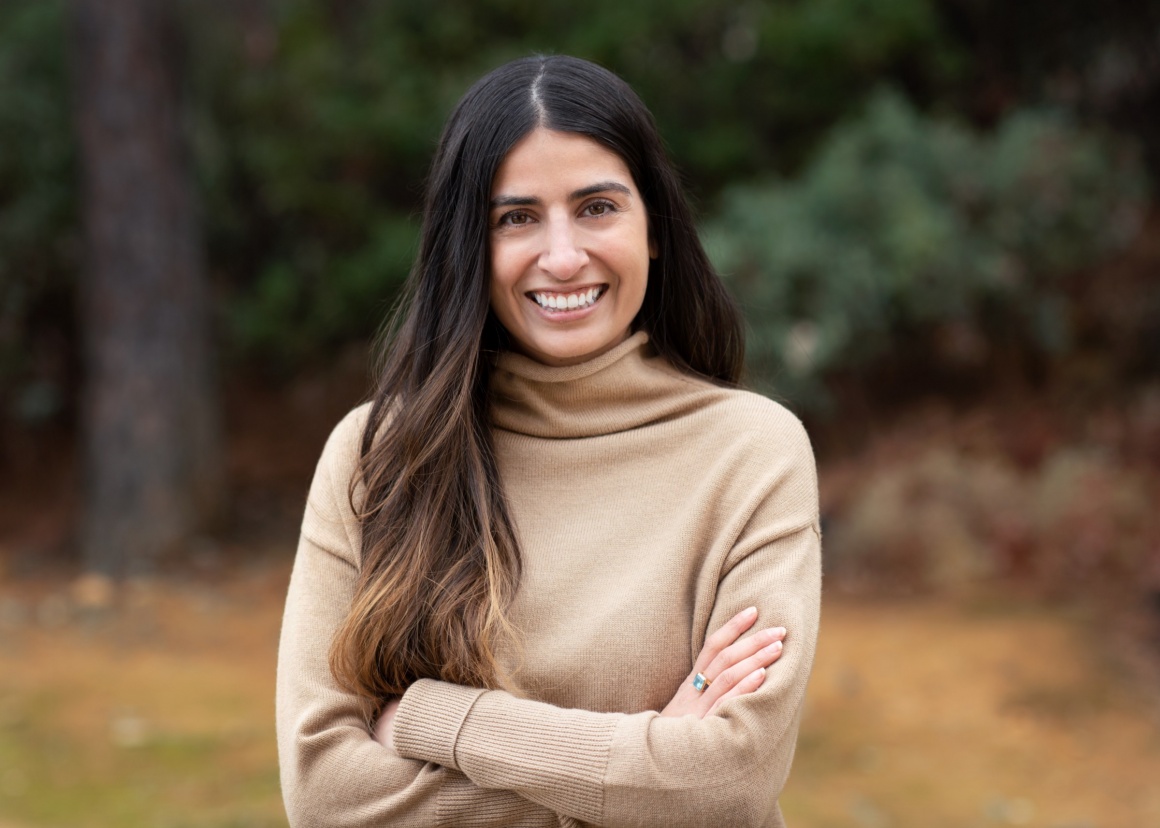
(428, 720)
(559, 755)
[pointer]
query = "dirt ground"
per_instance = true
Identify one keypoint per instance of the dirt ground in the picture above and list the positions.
(157, 710)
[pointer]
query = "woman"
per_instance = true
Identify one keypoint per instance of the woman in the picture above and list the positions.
(511, 559)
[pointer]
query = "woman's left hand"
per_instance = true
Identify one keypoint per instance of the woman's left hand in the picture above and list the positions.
(385, 724)
(734, 665)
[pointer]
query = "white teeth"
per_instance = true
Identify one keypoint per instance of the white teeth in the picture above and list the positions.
(570, 301)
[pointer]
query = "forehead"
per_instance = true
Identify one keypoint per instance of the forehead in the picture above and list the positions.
(546, 159)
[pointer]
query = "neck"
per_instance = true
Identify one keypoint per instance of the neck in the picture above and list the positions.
(626, 387)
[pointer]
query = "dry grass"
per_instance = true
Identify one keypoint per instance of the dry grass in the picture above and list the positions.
(967, 714)
(159, 712)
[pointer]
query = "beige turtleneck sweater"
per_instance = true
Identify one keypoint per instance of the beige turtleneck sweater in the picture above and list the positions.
(650, 508)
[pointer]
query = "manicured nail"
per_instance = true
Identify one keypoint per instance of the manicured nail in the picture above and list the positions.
(759, 673)
(779, 631)
(775, 647)
(750, 612)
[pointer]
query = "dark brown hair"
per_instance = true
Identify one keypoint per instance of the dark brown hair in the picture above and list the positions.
(440, 562)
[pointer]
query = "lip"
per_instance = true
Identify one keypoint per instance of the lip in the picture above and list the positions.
(567, 315)
(558, 292)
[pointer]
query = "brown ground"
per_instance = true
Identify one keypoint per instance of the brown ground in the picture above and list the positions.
(969, 712)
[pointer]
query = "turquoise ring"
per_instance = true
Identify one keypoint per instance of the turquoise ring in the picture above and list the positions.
(701, 683)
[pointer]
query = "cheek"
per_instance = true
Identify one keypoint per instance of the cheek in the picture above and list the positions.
(635, 273)
(504, 270)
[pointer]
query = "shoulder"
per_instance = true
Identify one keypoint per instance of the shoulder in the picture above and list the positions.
(345, 440)
(741, 409)
(777, 478)
(770, 461)
(752, 411)
(749, 418)
(330, 520)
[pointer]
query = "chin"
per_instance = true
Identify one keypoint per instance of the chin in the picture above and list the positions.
(577, 350)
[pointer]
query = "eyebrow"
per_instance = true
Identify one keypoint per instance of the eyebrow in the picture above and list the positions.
(583, 192)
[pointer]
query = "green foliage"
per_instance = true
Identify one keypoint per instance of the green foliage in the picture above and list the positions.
(902, 224)
(312, 124)
(316, 122)
(297, 308)
(38, 194)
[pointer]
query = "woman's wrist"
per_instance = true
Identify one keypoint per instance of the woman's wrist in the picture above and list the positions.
(428, 720)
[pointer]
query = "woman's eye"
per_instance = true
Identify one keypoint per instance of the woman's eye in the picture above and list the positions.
(515, 218)
(599, 208)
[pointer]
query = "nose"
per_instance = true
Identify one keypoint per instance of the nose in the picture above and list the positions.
(563, 256)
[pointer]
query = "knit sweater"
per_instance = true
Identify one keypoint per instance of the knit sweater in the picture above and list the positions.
(650, 507)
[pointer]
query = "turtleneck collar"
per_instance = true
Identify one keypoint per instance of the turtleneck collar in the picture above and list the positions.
(624, 388)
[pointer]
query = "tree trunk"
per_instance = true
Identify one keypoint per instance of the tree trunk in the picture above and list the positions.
(150, 414)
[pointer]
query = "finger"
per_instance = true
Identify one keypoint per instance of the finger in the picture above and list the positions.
(747, 685)
(725, 636)
(729, 679)
(740, 650)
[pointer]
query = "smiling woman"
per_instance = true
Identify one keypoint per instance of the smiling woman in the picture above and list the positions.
(569, 247)
(561, 570)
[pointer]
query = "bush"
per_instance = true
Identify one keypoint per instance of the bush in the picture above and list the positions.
(906, 225)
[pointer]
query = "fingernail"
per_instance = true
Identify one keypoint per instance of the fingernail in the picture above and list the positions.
(750, 612)
(775, 647)
(779, 631)
(759, 672)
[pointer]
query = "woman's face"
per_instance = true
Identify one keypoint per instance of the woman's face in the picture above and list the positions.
(569, 247)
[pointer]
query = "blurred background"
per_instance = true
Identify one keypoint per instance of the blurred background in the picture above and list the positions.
(940, 218)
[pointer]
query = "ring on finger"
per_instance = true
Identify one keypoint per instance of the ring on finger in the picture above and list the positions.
(700, 683)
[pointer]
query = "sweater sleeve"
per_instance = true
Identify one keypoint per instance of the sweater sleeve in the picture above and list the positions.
(644, 769)
(333, 772)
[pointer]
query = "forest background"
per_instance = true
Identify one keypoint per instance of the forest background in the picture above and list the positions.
(939, 217)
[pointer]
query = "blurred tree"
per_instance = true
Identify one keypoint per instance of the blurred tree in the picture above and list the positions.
(149, 418)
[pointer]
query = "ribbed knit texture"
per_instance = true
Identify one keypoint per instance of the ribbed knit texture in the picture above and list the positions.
(650, 507)
(449, 706)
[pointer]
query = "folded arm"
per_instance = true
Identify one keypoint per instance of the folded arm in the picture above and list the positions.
(333, 772)
(644, 769)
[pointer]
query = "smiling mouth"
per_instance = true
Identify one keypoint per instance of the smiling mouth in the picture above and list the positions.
(577, 300)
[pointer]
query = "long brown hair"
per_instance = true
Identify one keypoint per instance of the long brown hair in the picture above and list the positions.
(440, 562)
